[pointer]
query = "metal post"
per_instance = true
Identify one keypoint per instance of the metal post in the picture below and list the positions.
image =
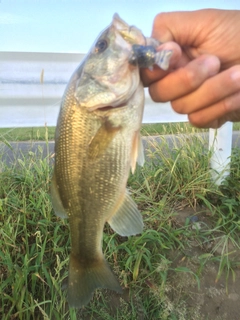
(220, 143)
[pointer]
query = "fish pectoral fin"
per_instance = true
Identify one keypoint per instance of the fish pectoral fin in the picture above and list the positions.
(127, 221)
(100, 142)
(141, 157)
(84, 278)
(56, 200)
(137, 152)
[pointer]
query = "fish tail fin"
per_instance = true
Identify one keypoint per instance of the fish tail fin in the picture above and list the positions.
(83, 280)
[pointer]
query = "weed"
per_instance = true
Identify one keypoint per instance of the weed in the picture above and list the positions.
(35, 244)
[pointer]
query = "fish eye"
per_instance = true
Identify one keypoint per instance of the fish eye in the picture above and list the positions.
(101, 46)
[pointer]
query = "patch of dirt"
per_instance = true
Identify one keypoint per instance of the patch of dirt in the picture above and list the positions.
(193, 289)
(212, 299)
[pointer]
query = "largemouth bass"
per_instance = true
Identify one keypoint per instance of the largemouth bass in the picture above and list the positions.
(97, 141)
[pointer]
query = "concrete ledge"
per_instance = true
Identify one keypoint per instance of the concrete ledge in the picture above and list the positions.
(17, 150)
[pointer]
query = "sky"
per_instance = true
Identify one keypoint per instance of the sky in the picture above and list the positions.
(73, 25)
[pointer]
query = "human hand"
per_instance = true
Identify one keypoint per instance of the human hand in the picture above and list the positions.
(205, 81)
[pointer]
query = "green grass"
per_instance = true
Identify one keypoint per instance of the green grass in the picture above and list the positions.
(39, 133)
(35, 244)
(26, 134)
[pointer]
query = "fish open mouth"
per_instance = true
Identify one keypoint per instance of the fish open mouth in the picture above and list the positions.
(107, 108)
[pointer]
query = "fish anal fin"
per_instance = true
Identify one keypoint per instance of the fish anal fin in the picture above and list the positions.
(137, 155)
(56, 200)
(101, 140)
(84, 278)
(127, 220)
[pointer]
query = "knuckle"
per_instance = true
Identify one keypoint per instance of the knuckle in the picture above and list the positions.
(156, 94)
(235, 76)
(159, 18)
(188, 79)
(160, 30)
(153, 94)
(178, 106)
(154, 98)
(195, 120)
(226, 105)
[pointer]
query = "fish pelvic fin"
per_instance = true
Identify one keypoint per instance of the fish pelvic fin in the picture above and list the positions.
(56, 200)
(127, 221)
(83, 280)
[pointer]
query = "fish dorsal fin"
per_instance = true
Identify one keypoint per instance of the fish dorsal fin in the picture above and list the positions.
(137, 151)
(101, 140)
(56, 201)
(127, 221)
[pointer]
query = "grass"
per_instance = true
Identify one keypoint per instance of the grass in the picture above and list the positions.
(26, 134)
(35, 243)
(39, 133)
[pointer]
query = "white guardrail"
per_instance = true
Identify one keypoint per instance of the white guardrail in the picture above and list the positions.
(32, 84)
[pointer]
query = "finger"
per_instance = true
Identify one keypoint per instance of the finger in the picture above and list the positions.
(210, 92)
(184, 80)
(149, 76)
(214, 116)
